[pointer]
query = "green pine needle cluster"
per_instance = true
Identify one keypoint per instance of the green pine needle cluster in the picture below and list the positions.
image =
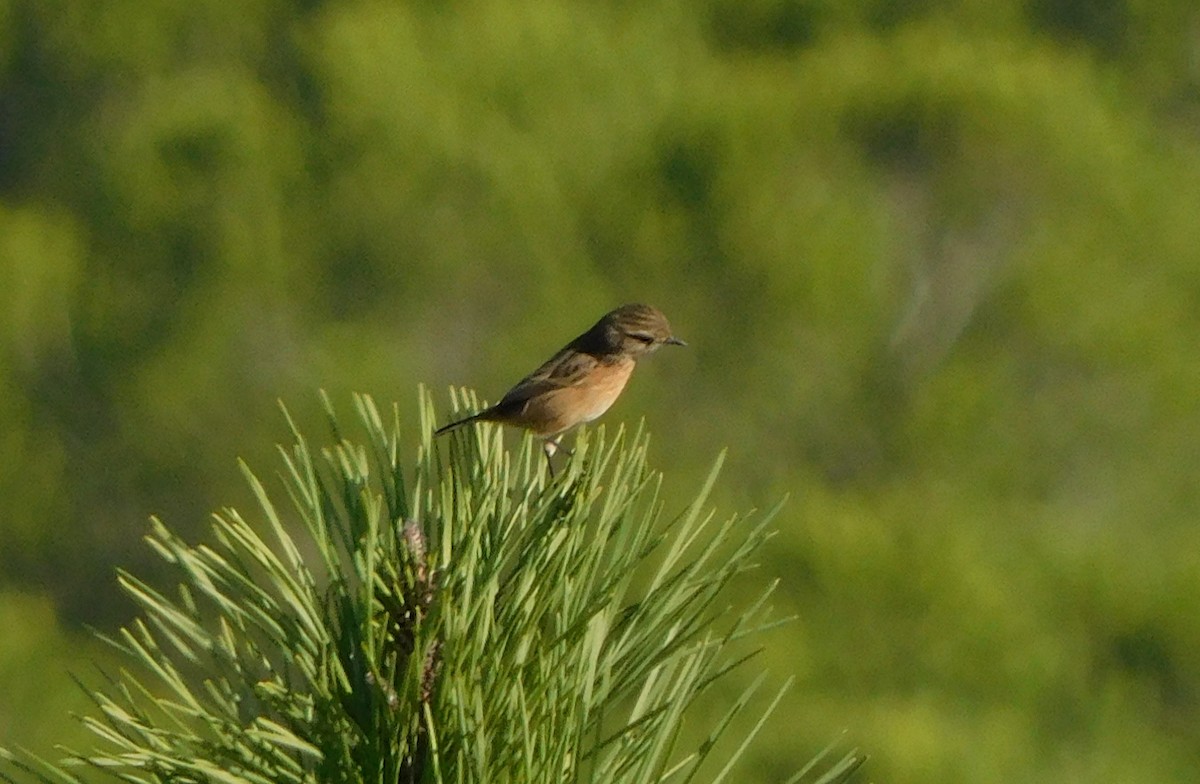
(463, 618)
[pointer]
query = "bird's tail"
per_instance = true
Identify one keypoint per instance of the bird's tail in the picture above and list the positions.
(456, 425)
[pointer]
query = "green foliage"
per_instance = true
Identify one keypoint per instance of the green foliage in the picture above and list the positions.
(462, 621)
(38, 643)
(936, 263)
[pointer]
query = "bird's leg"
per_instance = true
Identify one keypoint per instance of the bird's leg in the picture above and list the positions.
(550, 446)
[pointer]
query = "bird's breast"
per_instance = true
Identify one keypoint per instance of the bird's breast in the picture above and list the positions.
(564, 408)
(603, 388)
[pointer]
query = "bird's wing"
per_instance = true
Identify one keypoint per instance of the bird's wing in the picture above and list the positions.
(565, 369)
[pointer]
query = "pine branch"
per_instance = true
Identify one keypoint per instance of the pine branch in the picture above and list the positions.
(476, 622)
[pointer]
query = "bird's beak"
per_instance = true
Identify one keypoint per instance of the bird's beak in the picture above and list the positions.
(674, 341)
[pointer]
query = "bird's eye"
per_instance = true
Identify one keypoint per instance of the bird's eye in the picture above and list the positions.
(642, 337)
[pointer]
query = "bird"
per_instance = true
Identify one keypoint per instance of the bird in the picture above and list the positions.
(582, 380)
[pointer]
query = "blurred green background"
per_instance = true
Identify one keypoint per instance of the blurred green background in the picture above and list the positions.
(938, 264)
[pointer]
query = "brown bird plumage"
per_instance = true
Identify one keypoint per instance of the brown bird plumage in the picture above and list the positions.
(583, 379)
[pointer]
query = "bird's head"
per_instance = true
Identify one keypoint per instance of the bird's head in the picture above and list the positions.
(635, 330)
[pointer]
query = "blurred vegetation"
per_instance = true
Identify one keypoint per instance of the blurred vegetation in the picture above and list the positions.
(937, 263)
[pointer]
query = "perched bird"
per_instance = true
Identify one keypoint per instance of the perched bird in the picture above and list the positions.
(582, 380)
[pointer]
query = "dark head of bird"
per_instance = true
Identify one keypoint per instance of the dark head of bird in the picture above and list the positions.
(632, 330)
